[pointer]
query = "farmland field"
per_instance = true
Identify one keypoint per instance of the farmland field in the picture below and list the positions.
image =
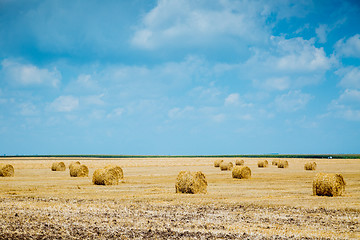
(275, 203)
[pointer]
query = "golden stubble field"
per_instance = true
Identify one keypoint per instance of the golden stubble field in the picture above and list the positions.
(275, 203)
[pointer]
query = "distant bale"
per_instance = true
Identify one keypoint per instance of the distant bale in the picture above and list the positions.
(310, 166)
(187, 182)
(218, 162)
(226, 166)
(79, 170)
(283, 164)
(275, 162)
(58, 166)
(106, 176)
(328, 184)
(239, 162)
(263, 163)
(6, 170)
(117, 169)
(241, 172)
(73, 163)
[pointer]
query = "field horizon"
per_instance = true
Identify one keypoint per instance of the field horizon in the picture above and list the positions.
(273, 203)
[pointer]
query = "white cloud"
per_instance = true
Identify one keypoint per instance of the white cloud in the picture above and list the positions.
(292, 101)
(28, 109)
(86, 81)
(350, 96)
(193, 23)
(94, 100)
(64, 104)
(297, 54)
(322, 32)
(347, 106)
(351, 114)
(206, 93)
(350, 77)
(274, 83)
(247, 117)
(232, 99)
(169, 75)
(219, 117)
(349, 47)
(176, 112)
(27, 74)
(343, 111)
(287, 64)
(117, 112)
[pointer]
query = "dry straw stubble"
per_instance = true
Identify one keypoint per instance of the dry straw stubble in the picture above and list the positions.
(58, 166)
(188, 182)
(241, 172)
(6, 170)
(328, 184)
(310, 166)
(218, 162)
(226, 166)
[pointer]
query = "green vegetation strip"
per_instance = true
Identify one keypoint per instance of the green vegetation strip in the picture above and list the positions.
(337, 156)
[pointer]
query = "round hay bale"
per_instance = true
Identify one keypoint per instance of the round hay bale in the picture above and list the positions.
(283, 164)
(275, 162)
(310, 166)
(73, 163)
(58, 166)
(106, 176)
(226, 166)
(263, 163)
(241, 172)
(6, 170)
(328, 184)
(239, 162)
(187, 182)
(78, 170)
(218, 162)
(117, 169)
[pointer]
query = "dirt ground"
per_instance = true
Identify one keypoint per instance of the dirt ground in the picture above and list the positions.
(274, 204)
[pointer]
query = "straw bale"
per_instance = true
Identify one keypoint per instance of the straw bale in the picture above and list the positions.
(328, 184)
(263, 163)
(6, 170)
(187, 182)
(275, 162)
(106, 176)
(79, 170)
(73, 163)
(283, 164)
(239, 162)
(58, 166)
(241, 172)
(226, 166)
(218, 162)
(310, 166)
(117, 169)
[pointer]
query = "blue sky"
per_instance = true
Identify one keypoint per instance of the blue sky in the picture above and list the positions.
(179, 77)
